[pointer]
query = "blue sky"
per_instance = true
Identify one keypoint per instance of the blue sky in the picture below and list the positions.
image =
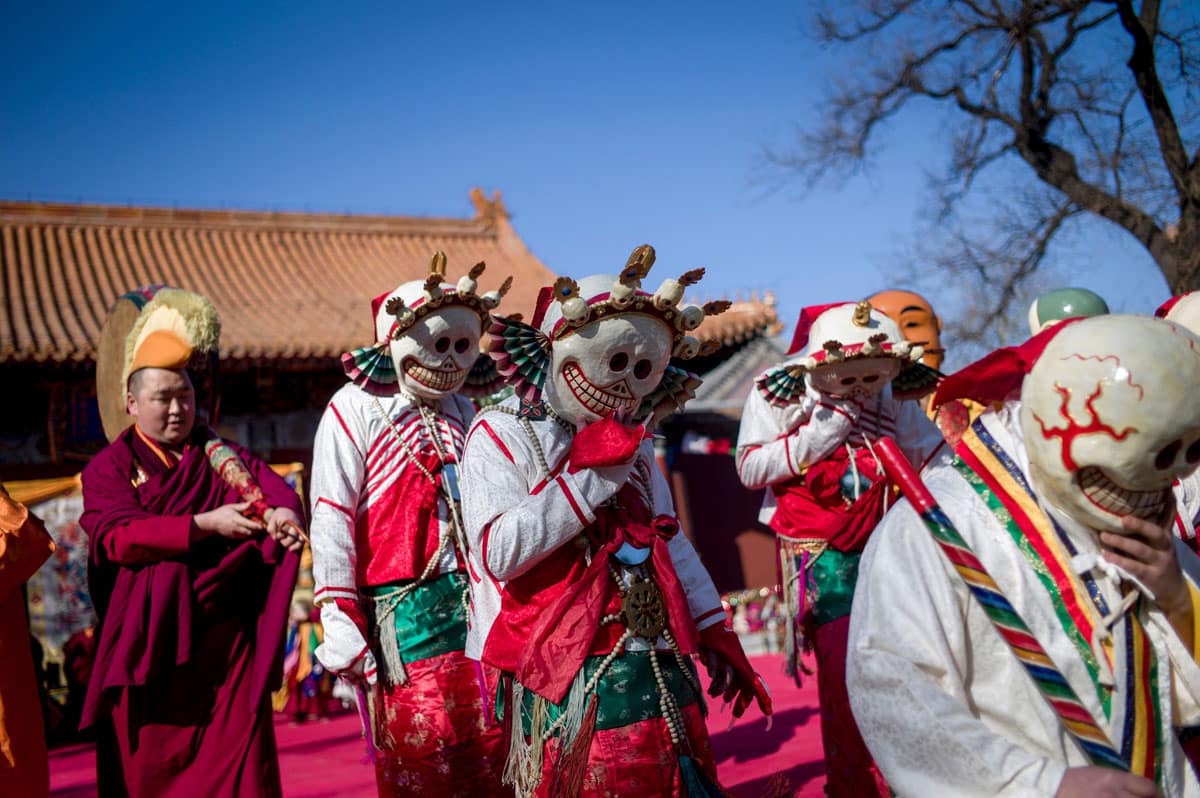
(605, 125)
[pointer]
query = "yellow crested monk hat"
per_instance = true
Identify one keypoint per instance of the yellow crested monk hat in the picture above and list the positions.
(151, 327)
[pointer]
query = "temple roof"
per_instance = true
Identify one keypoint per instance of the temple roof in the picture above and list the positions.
(726, 387)
(745, 320)
(293, 286)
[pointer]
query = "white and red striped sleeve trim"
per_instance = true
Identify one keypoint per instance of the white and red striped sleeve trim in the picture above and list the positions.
(483, 552)
(331, 592)
(787, 452)
(836, 409)
(357, 657)
(504, 450)
(344, 510)
(574, 502)
(345, 427)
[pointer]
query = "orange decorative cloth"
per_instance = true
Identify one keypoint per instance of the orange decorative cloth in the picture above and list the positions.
(24, 546)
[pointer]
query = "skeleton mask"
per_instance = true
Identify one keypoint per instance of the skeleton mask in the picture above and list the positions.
(849, 349)
(427, 337)
(1108, 421)
(602, 346)
(433, 358)
(607, 367)
(861, 378)
(1183, 309)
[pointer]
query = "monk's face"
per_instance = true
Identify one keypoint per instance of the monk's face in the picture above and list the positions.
(163, 405)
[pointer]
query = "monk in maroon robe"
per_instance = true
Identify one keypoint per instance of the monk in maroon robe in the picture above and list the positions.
(192, 597)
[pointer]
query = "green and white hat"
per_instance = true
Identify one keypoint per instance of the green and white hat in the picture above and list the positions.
(1064, 303)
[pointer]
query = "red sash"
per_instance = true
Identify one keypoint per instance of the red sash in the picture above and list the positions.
(399, 533)
(812, 506)
(564, 634)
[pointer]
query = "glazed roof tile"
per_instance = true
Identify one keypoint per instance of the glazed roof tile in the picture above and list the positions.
(287, 285)
(290, 286)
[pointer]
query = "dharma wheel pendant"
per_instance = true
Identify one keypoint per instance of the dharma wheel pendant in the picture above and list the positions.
(644, 609)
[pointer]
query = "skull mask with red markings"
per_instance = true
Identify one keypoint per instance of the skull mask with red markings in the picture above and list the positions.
(1109, 421)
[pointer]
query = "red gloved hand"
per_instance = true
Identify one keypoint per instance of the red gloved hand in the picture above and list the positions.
(730, 671)
(607, 442)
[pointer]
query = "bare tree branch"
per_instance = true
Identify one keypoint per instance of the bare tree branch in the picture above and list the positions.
(1033, 82)
(1143, 29)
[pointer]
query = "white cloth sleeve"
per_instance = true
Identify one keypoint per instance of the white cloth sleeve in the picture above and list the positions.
(339, 456)
(908, 660)
(512, 527)
(776, 444)
(918, 437)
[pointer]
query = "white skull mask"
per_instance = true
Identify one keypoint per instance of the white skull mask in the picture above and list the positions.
(859, 378)
(607, 367)
(433, 356)
(1109, 418)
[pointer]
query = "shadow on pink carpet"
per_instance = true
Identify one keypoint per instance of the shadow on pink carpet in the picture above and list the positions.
(323, 759)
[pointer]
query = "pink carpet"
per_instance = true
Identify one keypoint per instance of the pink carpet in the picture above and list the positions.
(324, 759)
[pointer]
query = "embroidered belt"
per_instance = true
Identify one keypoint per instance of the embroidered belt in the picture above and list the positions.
(626, 693)
(429, 621)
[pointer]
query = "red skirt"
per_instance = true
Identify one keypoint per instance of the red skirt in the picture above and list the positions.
(849, 770)
(638, 759)
(436, 736)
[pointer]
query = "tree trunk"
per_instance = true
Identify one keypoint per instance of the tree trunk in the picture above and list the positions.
(1182, 264)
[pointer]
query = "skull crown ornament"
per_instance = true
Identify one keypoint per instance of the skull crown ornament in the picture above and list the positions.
(1108, 420)
(427, 335)
(602, 347)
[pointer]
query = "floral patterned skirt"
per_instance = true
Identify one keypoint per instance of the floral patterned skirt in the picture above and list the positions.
(434, 734)
(631, 752)
(637, 759)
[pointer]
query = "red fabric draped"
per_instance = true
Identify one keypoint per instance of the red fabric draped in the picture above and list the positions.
(191, 636)
(998, 375)
(401, 529)
(562, 638)
(813, 506)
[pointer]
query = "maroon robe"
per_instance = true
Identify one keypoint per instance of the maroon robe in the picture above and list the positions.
(191, 635)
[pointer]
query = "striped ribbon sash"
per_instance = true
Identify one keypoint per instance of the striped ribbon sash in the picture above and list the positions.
(1130, 700)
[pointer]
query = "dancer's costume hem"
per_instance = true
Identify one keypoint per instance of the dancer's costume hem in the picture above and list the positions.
(943, 702)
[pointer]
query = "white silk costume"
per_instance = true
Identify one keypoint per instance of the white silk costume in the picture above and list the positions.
(776, 444)
(516, 516)
(944, 705)
(357, 460)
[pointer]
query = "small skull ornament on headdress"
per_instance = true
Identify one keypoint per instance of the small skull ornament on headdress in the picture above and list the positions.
(601, 347)
(427, 337)
(1108, 421)
(845, 349)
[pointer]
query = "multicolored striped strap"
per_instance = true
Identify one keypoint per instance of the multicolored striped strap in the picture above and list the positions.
(1049, 680)
(1132, 712)
(1076, 718)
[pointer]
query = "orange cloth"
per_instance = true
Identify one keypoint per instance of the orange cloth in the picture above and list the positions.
(162, 349)
(24, 546)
